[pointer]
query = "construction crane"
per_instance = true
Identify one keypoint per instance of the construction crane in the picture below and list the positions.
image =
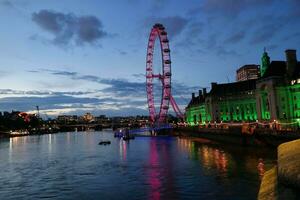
(38, 111)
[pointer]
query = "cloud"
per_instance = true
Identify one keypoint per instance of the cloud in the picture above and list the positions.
(139, 75)
(64, 73)
(224, 25)
(119, 95)
(120, 87)
(231, 8)
(221, 51)
(3, 73)
(236, 37)
(159, 4)
(295, 7)
(54, 103)
(195, 29)
(174, 24)
(25, 100)
(122, 52)
(292, 36)
(272, 47)
(266, 31)
(33, 71)
(70, 29)
(6, 3)
(190, 39)
(123, 87)
(36, 93)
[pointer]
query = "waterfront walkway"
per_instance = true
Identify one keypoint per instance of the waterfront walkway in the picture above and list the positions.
(259, 136)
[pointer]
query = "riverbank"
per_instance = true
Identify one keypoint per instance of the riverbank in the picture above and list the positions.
(283, 180)
(25, 133)
(234, 135)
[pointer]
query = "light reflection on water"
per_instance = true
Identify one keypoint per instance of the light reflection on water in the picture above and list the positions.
(210, 157)
(154, 173)
(123, 149)
(214, 157)
(74, 166)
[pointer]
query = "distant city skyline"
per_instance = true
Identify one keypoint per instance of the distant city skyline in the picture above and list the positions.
(70, 57)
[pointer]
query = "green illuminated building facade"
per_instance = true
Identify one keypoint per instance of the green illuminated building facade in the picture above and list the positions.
(274, 96)
(198, 110)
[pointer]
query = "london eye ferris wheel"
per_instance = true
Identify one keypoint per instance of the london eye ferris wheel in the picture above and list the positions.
(158, 32)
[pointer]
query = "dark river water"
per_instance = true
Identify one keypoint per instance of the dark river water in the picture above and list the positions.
(74, 166)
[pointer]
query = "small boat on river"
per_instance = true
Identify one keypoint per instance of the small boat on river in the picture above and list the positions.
(104, 142)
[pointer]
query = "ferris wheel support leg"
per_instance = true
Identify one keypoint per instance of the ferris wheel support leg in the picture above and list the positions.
(176, 108)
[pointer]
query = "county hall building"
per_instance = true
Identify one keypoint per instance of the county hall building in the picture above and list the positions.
(266, 94)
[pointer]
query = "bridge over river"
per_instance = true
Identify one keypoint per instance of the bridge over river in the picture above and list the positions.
(99, 126)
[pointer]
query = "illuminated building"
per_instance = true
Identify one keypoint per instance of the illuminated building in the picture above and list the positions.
(197, 110)
(273, 97)
(67, 118)
(88, 117)
(247, 72)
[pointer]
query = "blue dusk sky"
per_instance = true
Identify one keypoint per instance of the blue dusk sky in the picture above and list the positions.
(72, 56)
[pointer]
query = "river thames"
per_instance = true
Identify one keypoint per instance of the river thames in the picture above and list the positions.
(74, 166)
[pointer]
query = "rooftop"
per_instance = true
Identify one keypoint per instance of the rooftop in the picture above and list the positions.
(278, 68)
(232, 88)
(251, 66)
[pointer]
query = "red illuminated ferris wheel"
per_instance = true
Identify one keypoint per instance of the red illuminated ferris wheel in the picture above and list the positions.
(158, 32)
